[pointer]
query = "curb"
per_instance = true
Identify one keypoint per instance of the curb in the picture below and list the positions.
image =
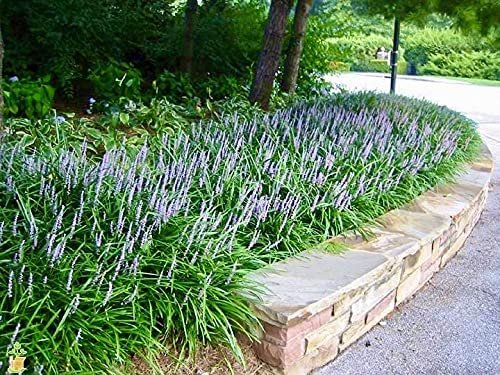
(435, 79)
(318, 304)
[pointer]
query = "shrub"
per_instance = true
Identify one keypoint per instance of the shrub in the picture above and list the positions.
(223, 87)
(173, 86)
(69, 38)
(228, 37)
(339, 66)
(27, 98)
(106, 256)
(179, 87)
(315, 58)
(421, 46)
(116, 80)
(66, 38)
(360, 52)
(482, 64)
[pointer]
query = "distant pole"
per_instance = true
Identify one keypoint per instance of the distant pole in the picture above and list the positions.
(394, 56)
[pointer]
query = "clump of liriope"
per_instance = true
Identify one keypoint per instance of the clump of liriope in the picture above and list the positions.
(102, 258)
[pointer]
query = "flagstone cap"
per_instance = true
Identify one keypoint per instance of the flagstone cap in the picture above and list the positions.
(302, 286)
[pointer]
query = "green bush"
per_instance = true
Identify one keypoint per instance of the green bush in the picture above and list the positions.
(475, 64)
(173, 86)
(105, 256)
(223, 87)
(179, 87)
(228, 37)
(339, 66)
(379, 66)
(115, 80)
(429, 51)
(67, 39)
(419, 47)
(315, 59)
(448, 52)
(359, 51)
(26, 98)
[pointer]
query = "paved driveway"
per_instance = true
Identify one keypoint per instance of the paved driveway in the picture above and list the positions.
(452, 326)
(481, 103)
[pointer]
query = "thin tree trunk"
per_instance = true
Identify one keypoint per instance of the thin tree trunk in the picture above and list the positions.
(188, 43)
(291, 72)
(268, 63)
(1, 72)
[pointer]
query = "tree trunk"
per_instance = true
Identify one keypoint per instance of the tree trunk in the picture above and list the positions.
(1, 90)
(268, 63)
(291, 72)
(188, 43)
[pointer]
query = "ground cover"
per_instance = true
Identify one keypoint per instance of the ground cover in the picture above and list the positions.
(105, 255)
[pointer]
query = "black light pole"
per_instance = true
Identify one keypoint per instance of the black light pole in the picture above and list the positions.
(394, 56)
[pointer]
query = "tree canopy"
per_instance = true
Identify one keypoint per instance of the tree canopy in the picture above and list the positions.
(469, 14)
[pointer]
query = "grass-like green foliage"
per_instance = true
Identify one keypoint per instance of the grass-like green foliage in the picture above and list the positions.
(102, 257)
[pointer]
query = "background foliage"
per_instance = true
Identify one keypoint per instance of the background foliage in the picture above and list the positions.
(424, 36)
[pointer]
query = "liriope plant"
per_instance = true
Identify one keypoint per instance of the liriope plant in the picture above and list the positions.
(140, 250)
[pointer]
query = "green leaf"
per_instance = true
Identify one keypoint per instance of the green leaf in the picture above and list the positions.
(124, 118)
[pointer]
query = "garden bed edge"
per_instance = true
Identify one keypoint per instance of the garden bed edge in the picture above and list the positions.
(318, 304)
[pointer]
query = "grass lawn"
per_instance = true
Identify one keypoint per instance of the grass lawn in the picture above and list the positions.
(476, 81)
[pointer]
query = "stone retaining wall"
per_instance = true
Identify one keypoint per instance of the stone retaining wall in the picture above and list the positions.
(320, 303)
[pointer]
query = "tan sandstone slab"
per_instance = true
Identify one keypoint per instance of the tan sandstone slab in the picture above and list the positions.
(355, 331)
(466, 190)
(300, 287)
(375, 294)
(423, 226)
(314, 359)
(414, 261)
(382, 240)
(484, 161)
(445, 205)
(408, 286)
